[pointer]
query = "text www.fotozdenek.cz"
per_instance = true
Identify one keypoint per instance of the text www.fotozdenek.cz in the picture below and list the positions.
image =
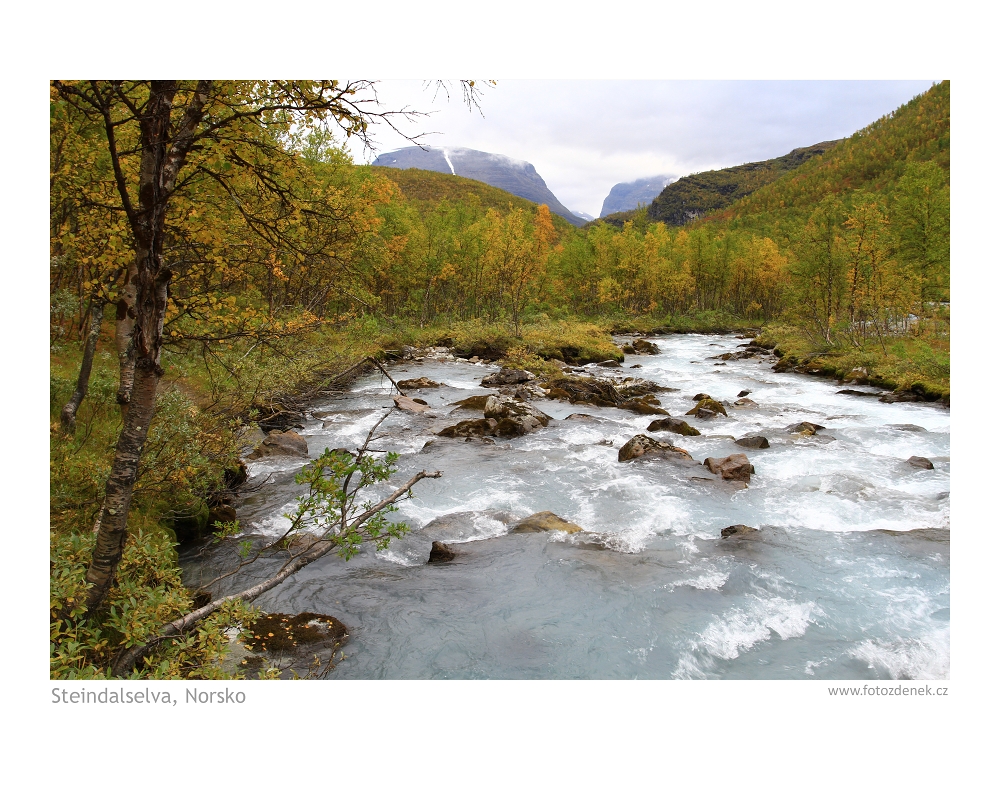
(888, 691)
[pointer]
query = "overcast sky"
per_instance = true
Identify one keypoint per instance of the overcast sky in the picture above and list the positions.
(585, 136)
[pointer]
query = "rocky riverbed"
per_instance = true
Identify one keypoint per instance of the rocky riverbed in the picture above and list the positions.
(690, 513)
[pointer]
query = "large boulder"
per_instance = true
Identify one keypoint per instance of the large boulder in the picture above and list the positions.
(595, 391)
(476, 403)
(805, 428)
(507, 377)
(754, 442)
(644, 347)
(738, 530)
(287, 443)
(404, 403)
(544, 521)
(514, 417)
(708, 405)
(642, 445)
(735, 467)
(470, 427)
(673, 425)
(418, 383)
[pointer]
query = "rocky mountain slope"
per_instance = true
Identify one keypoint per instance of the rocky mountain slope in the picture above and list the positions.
(517, 177)
(627, 196)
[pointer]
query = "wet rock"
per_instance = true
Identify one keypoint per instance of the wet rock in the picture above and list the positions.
(901, 396)
(859, 392)
(514, 417)
(646, 348)
(744, 393)
(642, 445)
(706, 403)
(636, 366)
(581, 417)
(608, 363)
(920, 462)
(281, 633)
(469, 427)
(805, 428)
(908, 427)
(288, 443)
(733, 467)
(507, 377)
(440, 553)
(745, 402)
(234, 478)
(418, 383)
(594, 391)
(641, 407)
(544, 521)
(476, 403)
(404, 403)
(628, 350)
(636, 387)
(673, 425)
(701, 396)
(738, 530)
(754, 443)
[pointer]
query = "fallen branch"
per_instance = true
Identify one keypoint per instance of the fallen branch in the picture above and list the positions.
(127, 660)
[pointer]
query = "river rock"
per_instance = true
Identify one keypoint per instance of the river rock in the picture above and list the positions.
(745, 402)
(646, 348)
(221, 514)
(744, 393)
(733, 467)
(594, 391)
(641, 407)
(581, 417)
(418, 383)
(544, 521)
(609, 363)
(920, 462)
(628, 350)
(469, 427)
(738, 530)
(514, 417)
(642, 445)
(707, 404)
(276, 443)
(507, 377)
(754, 442)
(637, 387)
(673, 425)
(404, 403)
(475, 403)
(805, 428)
(440, 552)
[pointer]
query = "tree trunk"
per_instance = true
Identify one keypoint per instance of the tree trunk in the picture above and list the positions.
(124, 327)
(112, 527)
(68, 415)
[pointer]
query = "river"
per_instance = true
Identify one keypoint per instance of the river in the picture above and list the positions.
(848, 576)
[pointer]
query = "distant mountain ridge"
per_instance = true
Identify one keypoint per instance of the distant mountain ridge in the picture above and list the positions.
(514, 176)
(627, 196)
(695, 195)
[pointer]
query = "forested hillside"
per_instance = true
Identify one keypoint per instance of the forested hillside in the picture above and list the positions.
(266, 262)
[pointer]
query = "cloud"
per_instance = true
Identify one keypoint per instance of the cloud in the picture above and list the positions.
(585, 136)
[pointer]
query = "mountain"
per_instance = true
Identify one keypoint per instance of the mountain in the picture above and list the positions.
(627, 196)
(584, 216)
(517, 177)
(695, 195)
